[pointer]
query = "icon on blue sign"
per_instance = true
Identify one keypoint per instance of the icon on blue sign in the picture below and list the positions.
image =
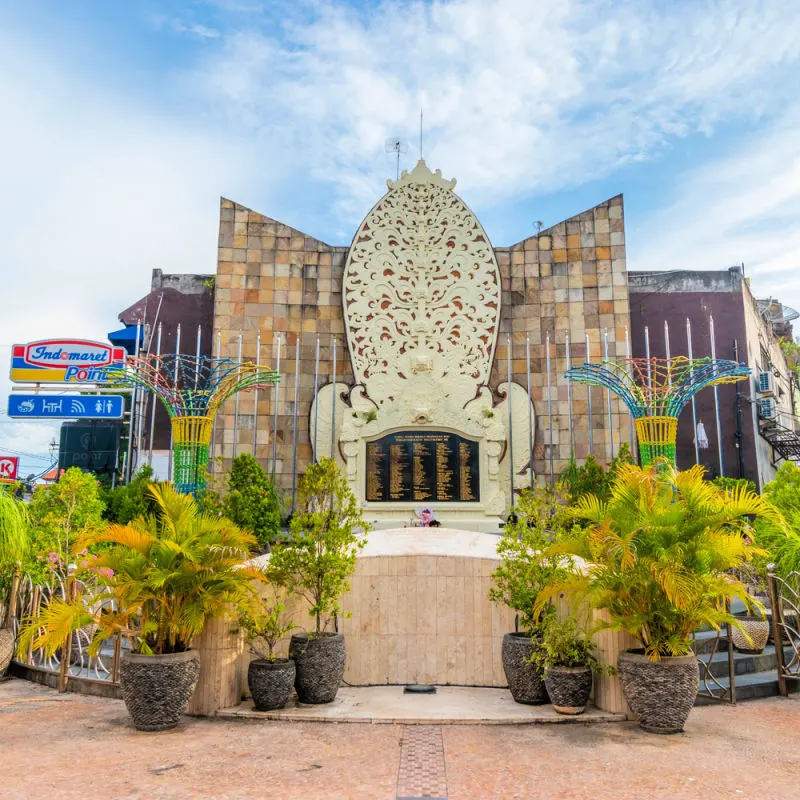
(54, 406)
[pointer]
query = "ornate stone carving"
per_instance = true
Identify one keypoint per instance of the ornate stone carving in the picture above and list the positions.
(421, 291)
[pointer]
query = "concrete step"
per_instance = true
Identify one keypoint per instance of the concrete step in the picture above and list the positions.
(745, 663)
(753, 686)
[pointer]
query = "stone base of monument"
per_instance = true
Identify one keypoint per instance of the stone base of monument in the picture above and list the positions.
(454, 520)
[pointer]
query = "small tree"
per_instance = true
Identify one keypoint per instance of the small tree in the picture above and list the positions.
(252, 502)
(591, 478)
(127, 502)
(13, 539)
(266, 627)
(525, 568)
(59, 514)
(320, 555)
(782, 544)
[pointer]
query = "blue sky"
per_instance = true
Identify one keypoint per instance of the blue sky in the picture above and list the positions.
(125, 122)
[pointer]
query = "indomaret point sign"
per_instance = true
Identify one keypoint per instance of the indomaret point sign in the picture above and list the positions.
(63, 361)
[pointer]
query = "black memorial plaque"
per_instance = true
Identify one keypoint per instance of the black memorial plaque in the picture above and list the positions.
(423, 467)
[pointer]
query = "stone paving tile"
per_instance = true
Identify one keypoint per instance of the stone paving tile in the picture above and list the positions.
(421, 772)
(69, 746)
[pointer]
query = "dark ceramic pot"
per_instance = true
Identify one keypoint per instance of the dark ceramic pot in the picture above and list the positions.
(157, 689)
(659, 693)
(6, 649)
(569, 688)
(319, 660)
(270, 682)
(525, 680)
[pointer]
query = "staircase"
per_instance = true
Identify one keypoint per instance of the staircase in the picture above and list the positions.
(756, 675)
(785, 441)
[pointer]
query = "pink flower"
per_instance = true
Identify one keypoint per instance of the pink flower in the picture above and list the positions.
(53, 558)
(83, 552)
(84, 564)
(106, 572)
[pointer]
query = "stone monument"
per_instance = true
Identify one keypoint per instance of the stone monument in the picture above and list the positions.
(420, 426)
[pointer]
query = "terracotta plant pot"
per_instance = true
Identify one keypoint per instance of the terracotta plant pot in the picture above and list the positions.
(6, 649)
(270, 682)
(569, 688)
(525, 680)
(157, 689)
(757, 628)
(320, 661)
(659, 693)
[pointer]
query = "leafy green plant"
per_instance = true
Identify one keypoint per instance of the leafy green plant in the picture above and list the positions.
(591, 478)
(325, 537)
(13, 539)
(126, 502)
(733, 483)
(266, 627)
(161, 576)
(251, 501)
(564, 645)
(59, 515)
(526, 565)
(369, 416)
(782, 543)
(658, 554)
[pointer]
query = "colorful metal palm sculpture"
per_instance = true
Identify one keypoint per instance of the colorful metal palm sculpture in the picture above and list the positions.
(191, 388)
(656, 390)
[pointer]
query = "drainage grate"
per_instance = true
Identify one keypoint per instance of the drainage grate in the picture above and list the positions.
(421, 773)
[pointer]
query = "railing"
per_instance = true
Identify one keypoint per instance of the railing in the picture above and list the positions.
(72, 660)
(710, 686)
(784, 595)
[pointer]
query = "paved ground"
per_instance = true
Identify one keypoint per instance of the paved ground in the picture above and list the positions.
(60, 746)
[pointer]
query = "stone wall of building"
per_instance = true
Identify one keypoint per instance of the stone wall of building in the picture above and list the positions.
(568, 281)
(277, 281)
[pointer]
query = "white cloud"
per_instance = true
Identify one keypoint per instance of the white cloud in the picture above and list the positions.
(741, 208)
(519, 97)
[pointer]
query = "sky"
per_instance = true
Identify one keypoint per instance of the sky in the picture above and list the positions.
(123, 124)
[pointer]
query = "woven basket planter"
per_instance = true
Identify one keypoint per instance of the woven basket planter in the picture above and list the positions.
(569, 688)
(525, 680)
(319, 660)
(6, 649)
(660, 693)
(157, 689)
(758, 630)
(270, 682)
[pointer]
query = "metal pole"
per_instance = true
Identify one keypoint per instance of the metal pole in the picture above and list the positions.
(739, 422)
(275, 397)
(694, 404)
(589, 397)
(569, 398)
(153, 409)
(216, 367)
(176, 378)
(628, 366)
(197, 361)
(236, 400)
(132, 418)
(549, 408)
(294, 421)
(530, 406)
(316, 399)
(142, 412)
(255, 397)
(333, 404)
(510, 422)
(650, 411)
(667, 351)
(716, 399)
(608, 401)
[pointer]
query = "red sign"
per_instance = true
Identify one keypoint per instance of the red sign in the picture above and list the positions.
(9, 466)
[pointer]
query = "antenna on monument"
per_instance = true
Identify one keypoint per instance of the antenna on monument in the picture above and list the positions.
(395, 145)
(538, 225)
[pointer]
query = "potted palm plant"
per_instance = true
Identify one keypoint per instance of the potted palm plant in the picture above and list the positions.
(316, 563)
(659, 552)
(13, 546)
(567, 658)
(160, 578)
(270, 678)
(526, 569)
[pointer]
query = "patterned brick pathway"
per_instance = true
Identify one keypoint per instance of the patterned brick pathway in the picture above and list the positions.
(421, 773)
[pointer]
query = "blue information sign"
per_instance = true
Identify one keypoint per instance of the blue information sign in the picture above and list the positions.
(59, 406)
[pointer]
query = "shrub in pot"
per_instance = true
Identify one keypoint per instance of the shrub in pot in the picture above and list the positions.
(315, 563)
(13, 547)
(568, 660)
(160, 578)
(526, 568)
(270, 678)
(659, 552)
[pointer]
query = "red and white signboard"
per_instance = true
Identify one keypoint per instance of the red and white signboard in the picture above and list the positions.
(63, 361)
(9, 466)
